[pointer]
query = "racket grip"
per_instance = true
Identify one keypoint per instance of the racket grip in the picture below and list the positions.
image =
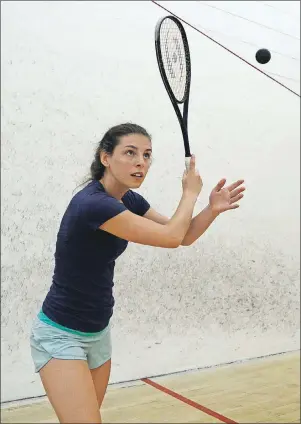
(187, 163)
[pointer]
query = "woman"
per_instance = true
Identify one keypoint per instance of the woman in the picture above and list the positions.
(70, 338)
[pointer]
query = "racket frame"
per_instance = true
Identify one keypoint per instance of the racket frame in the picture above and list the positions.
(183, 120)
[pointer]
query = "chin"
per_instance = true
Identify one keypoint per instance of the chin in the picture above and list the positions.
(137, 185)
(134, 184)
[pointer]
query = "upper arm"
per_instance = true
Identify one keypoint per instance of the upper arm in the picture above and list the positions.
(156, 216)
(132, 227)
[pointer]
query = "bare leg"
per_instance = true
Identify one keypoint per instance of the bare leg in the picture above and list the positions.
(70, 389)
(100, 378)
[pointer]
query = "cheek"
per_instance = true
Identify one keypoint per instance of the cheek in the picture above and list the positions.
(122, 165)
(121, 161)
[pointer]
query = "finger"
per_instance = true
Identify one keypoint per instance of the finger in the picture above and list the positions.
(220, 184)
(236, 198)
(235, 185)
(192, 162)
(239, 190)
(234, 206)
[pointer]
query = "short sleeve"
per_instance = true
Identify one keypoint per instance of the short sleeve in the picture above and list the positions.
(136, 203)
(98, 208)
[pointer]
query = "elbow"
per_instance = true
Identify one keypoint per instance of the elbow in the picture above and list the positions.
(173, 243)
(170, 240)
(180, 242)
(186, 243)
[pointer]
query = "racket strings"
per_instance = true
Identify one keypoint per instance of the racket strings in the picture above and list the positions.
(174, 58)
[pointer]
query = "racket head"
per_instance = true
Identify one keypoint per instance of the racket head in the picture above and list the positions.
(173, 57)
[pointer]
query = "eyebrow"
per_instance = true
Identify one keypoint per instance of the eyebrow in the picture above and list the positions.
(136, 148)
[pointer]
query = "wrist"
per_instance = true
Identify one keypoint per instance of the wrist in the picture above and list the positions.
(189, 196)
(213, 211)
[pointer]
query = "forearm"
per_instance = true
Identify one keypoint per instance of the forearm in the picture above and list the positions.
(199, 225)
(179, 224)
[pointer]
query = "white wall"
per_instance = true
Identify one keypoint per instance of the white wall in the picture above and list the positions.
(72, 69)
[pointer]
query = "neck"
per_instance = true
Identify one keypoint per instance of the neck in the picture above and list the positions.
(113, 187)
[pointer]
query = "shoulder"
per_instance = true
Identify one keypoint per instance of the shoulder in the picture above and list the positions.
(136, 203)
(95, 206)
(87, 197)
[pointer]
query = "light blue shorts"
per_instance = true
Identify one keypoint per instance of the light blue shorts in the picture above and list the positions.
(49, 342)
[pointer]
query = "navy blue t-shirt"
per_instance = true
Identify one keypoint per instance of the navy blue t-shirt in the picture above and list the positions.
(81, 294)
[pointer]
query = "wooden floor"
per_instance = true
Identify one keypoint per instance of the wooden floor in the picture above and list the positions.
(259, 391)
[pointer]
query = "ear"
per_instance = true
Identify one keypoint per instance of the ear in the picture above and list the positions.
(104, 159)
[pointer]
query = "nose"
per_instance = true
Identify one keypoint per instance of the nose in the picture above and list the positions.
(140, 161)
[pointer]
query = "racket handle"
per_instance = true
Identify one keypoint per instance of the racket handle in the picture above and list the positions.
(187, 163)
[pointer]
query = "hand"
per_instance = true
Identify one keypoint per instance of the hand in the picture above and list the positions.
(191, 181)
(223, 199)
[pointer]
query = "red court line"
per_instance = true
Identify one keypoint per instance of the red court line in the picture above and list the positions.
(188, 401)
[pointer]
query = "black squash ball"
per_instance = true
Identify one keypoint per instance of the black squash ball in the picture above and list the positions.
(263, 56)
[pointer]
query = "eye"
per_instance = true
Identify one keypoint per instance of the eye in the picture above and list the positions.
(130, 152)
(147, 155)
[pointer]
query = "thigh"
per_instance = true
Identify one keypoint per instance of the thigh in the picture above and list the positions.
(100, 377)
(50, 342)
(99, 361)
(70, 389)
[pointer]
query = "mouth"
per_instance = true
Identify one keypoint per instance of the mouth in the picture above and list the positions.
(137, 175)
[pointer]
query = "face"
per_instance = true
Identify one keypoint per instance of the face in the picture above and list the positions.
(130, 160)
